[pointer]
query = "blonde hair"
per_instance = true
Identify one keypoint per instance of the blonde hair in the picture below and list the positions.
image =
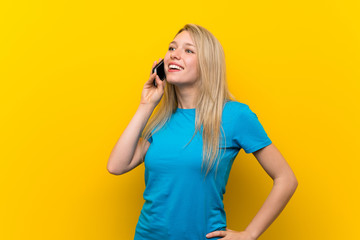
(213, 94)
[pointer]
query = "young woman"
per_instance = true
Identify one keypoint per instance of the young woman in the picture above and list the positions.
(190, 143)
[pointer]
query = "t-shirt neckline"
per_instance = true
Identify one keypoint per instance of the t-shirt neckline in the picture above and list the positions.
(185, 110)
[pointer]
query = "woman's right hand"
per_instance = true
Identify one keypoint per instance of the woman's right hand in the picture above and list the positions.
(152, 94)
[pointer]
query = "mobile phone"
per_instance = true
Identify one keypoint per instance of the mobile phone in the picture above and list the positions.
(160, 70)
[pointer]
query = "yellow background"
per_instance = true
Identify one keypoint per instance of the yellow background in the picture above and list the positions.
(71, 77)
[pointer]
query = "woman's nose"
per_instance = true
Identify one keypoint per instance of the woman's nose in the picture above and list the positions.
(175, 54)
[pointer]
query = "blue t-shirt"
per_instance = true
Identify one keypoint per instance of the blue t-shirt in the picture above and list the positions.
(180, 203)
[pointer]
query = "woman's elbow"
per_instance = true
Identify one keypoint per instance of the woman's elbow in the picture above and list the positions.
(287, 181)
(293, 182)
(111, 171)
(114, 170)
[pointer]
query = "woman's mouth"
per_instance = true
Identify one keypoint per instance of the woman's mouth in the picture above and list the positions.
(175, 68)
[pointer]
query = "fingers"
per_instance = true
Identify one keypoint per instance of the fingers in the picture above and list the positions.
(156, 81)
(154, 64)
(216, 234)
(152, 78)
(159, 83)
(155, 78)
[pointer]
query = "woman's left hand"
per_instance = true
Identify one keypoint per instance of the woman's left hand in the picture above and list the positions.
(231, 235)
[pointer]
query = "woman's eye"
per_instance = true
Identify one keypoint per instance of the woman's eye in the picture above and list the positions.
(171, 48)
(189, 51)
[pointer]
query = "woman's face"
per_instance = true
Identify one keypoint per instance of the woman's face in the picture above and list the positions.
(181, 61)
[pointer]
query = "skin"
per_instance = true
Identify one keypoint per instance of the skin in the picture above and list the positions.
(126, 154)
(182, 51)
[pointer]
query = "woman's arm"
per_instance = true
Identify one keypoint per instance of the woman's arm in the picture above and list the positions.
(127, 152)
(285, 184)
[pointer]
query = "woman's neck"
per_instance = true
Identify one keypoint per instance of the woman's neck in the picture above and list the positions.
(186, 97)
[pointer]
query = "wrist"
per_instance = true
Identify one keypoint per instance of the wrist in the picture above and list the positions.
(253, 234)
(147, 106)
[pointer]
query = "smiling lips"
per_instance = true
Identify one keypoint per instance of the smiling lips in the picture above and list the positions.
(173, 67)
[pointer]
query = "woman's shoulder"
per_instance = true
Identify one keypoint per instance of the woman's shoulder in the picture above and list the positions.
(233, 107)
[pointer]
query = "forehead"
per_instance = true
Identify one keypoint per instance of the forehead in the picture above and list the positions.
(183, 38)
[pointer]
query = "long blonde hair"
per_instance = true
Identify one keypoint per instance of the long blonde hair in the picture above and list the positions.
(213, 93)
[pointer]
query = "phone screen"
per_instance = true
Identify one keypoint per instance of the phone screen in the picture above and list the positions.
(160, 70)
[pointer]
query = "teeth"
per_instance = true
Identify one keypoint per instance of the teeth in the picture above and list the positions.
(175, 66)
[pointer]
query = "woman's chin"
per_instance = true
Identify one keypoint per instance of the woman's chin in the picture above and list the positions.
(180, 81)
(173, 81)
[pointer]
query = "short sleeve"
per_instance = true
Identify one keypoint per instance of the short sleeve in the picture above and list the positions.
(249, 133)
(150, 139)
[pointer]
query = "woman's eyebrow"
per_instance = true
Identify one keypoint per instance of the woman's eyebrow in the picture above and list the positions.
(189, 44)
(174, 42)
